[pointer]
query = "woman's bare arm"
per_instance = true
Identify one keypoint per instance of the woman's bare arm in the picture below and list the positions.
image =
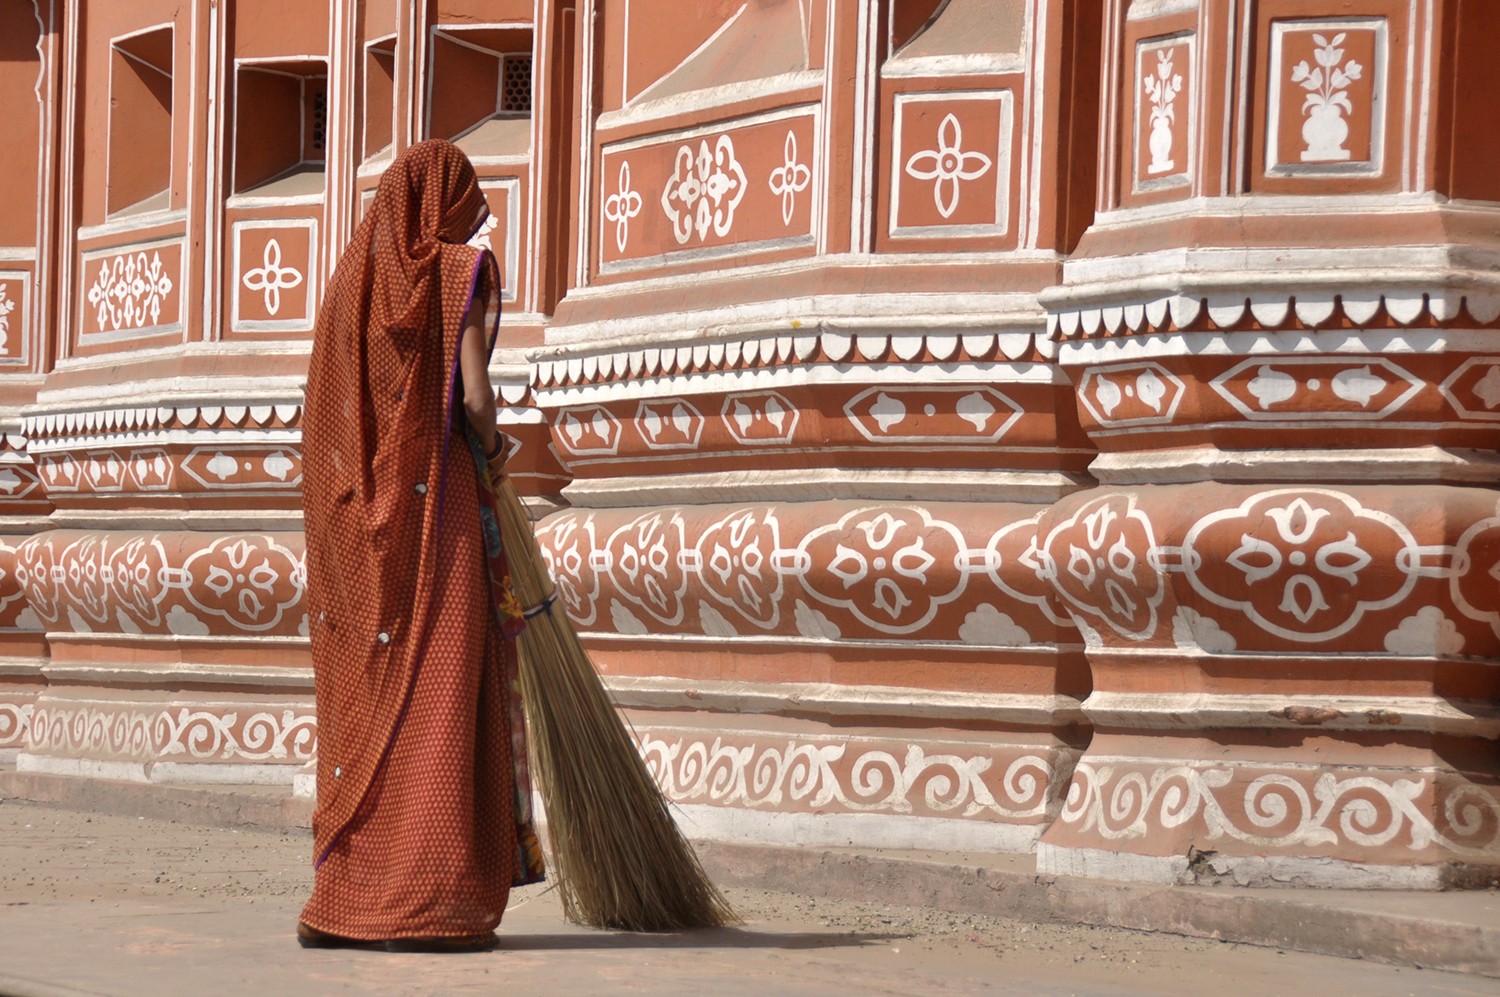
(473, 361)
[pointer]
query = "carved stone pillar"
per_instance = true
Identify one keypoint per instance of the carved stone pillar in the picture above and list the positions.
(1280, 334)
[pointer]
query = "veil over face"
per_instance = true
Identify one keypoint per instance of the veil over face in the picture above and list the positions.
(380, 411)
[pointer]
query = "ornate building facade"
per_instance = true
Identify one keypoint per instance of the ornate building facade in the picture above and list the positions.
(1054, 426)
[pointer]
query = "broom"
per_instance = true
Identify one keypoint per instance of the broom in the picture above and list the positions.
(620, 860)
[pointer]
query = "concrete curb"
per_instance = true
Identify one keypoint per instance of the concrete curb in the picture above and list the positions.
(1452, 931)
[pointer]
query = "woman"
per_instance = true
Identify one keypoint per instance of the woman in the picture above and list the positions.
(422, 822)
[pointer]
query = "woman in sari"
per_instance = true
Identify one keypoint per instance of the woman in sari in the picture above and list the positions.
(422, 824)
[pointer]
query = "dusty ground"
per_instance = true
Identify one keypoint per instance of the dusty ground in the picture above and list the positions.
(96, 904)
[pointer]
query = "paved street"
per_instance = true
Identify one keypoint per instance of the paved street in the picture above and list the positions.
(99, 904)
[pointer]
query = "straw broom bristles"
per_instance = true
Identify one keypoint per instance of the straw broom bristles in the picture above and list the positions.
(620, 860)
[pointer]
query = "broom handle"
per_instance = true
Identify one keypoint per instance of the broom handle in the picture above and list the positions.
(528, 571)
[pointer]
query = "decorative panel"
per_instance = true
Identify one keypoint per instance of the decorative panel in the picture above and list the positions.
(275, 263)
(15, 309)
(952, 164)
(709, 192)
(1164, 118)
(1326, 105)
(132, 292)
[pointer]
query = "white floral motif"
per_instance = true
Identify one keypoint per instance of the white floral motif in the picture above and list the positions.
(481, 238)
(1162, 87)
(6, 307)
(622, 206)
(704, 190)
(789, 179)
(1327, 100)
(271, 277)
(950, 164)
(128, 292)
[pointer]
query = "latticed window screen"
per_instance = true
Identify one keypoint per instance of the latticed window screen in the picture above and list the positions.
(319, 123)
(515, 86)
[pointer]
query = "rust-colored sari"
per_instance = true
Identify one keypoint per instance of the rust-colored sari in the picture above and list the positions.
(423, 814)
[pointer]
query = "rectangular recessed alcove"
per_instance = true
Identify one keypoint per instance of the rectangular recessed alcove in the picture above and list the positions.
(479, 90)
(140, 123)
(280, 127)
(380, 97)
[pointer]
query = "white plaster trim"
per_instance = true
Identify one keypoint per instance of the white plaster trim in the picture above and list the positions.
(818, 484)
(1328, 342)
(237, 640)
(1094, 863)
(700, 102)
(895, 314)
(957, 64)
(705, 822)
(1423, 465)
(829, 699)
(712, 128)
(153, 393)
(231, 773)
(88, 768)
(1141, 10)
(1209, 711)
(171, 675)
(787, 374)
(910, 649)
(273, 520)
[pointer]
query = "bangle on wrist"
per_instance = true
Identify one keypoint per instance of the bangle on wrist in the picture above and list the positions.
(497, 451)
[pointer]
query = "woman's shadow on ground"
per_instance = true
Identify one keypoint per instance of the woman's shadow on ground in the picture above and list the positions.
(703, 938)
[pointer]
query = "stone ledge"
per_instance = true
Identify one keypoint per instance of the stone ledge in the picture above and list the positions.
(1451, 931)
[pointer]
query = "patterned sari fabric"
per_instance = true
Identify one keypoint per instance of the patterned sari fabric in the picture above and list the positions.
(422, 822)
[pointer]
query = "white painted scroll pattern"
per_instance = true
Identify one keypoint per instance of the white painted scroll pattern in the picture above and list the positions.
(704, 190)
(132, 583)
(1162, 87)
(1327, 101)
(878, 571)
(249, 581)
(649, 564)
(15, 723)
(287, 735)
(826, 776)
(1304, 809)
(890, 567)
(570, 548)
(1307, 564)
(623, 205)
(128, 292)
(1100, 562)
(790, 178)
(271, 278)
(948, 166)
(735, 557)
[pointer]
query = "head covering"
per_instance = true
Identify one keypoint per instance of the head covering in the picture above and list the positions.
(378, 414)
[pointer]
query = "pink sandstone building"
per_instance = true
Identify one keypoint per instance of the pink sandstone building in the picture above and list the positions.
(1045, 426)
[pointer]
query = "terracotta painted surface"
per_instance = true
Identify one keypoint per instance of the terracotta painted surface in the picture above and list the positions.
(965, 424)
